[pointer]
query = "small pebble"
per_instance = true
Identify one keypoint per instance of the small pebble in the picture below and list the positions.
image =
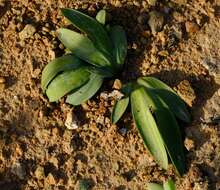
(2, 87)
(27, 32)
(152, 2)
(39, 173)
(50, 179)
(191, 27)
(2, 80)
(117, 84)
(18, 170)
(156, 21)
(163, 53)
(71, 121)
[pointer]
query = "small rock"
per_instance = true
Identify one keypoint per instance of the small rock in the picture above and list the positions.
(177, 31)
(117, 84)
(186, 92)
(163, 53)
(39, 173)
(114, 94)
(156, 21)
(189, 144)
(191, 27)
(118, 3)
(18, 170)
(2, 87)
(213, 66)
(152, 2)
(136, 3)
(50, 179)
(71, 121)
(2, 80)
(27, 32)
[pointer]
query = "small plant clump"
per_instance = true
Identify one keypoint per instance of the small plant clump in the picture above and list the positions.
(96, 53)
(154, 107)
(167, 185)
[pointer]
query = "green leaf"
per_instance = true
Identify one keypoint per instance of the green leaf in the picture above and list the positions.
(86, 91)
(154, 186)
(147, 127)
(91, 27)
(169, 129)
(119, 109)
(175, 103)
(102, 16)
(169, 185)
(64, 63)
(119, 40)
(82, 47)
(66, 82)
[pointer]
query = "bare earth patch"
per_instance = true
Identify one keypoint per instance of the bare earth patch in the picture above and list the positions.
(39, 152)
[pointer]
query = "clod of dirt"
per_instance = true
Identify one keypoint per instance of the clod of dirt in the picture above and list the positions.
(189, 144)
(191, 27)
(2, 80)
(27, 32)
(186, 92)
(18, 170)
(39, 173)
(114, 94)
(2, 87)
(117, 84)
(2, 83)
(156, 21)
(71, 121)
(213, 66)
(152, 2)
(211, 110)
(50, 179)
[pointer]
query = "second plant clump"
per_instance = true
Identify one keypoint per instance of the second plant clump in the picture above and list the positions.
(99, 53)
(154, 107)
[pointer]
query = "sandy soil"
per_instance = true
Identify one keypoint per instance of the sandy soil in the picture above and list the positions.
(39, 152)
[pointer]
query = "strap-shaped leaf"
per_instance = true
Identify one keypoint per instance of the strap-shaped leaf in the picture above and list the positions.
(119, 109)
(169, 129)
(169, 185)
(82, 47)
(101, 16)
(147, 127)
(91, 27)
(154, 186)
(64, 63)
(86, 91)
(66, 82)
(119, 40)
(175, 103)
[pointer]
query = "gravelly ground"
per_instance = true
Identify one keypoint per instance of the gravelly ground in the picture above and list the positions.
(38, 152)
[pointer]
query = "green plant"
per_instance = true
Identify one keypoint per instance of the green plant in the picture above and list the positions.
(168, 185)
(154, 108)
(98, 53)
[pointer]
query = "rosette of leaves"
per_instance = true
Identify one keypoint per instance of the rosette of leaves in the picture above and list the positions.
(98, 52)
(155, 107)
